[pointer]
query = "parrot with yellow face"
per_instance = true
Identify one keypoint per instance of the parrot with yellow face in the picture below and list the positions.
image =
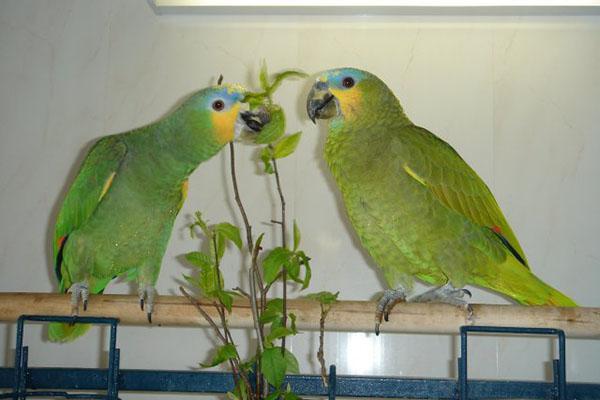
(418, 208)
(118, 214)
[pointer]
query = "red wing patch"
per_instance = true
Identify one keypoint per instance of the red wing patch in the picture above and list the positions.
(60, 241)
(497, 229)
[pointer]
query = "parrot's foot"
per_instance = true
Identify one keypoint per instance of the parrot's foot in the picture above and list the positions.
(446, 294)
(390, 298)
(146, 294)
(79, 290)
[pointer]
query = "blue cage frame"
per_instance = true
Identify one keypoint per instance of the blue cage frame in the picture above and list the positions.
(26, 382)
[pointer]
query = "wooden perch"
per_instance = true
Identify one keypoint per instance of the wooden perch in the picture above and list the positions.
(350, 316)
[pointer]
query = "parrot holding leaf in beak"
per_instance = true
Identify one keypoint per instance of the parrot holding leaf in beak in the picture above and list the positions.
(118, 214)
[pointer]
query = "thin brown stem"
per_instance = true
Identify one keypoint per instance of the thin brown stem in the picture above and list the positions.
(284, 245)
(207, 317)
(225, 339)
(282, 200)
(238, 200)
(253, 274)
(321, 352)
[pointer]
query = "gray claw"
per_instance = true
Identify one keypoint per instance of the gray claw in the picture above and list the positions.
(447, 294)
(79, 290)
(146, 294)
(388, 300)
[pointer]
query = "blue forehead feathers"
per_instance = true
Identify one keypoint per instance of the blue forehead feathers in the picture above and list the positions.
(336, 76)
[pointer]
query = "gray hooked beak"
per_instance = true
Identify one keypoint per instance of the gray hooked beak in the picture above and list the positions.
(321, 103)
(255, 120)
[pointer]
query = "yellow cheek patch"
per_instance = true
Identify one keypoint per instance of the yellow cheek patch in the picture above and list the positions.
(349, 100)
(224, 123)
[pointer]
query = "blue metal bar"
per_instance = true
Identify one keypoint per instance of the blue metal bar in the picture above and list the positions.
(332, 382)
(559, 383)
(303, 385)
(22, 373)
(53, 382)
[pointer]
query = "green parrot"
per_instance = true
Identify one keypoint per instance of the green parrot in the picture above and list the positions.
(118, 214)
(416, 205)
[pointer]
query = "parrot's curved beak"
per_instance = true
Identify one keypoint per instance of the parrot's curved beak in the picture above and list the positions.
(255, 120)
(249, 123)
(320, 102)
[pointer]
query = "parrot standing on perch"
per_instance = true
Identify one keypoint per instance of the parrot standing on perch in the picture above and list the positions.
(418, 208)
(118, 214)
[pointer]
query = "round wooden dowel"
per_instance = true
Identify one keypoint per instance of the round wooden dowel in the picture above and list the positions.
(351, 316)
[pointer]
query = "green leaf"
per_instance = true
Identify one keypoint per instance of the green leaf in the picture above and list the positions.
(266, 155)
(210, 280)
(220, 245)
(274, 129)
(324, 297)
(290, 396)
(224, 353)
(293, 269)
(287, 145)
(277, 322)
(293, 323)
(305, 260)
(307, 275)
(273, 310)
(191, 280)
(272, 365)
(296, 236)
(226, 298)
(274, 396)
(259, 240)
(291, 362)
(281, 76)
(274, 261)
(198, 221)
(263, 76)
(248, 365)
(269, 316)
(229, 232)
(278, 333)
(199, 259)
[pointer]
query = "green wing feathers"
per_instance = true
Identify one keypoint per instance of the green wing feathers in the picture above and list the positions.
(435, 164)
(91, 184)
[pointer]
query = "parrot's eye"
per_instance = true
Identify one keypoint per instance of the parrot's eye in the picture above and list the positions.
(348, 82)
(218, 105)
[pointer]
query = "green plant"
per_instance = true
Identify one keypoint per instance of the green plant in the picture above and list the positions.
(286, 263)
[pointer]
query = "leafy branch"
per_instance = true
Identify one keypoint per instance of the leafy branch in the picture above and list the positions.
(272, 321)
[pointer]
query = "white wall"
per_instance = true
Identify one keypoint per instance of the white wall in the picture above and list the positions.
(518, 97)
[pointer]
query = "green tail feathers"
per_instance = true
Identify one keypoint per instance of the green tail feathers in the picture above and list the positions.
(524, 287)
(59, 332)
(546, 295)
